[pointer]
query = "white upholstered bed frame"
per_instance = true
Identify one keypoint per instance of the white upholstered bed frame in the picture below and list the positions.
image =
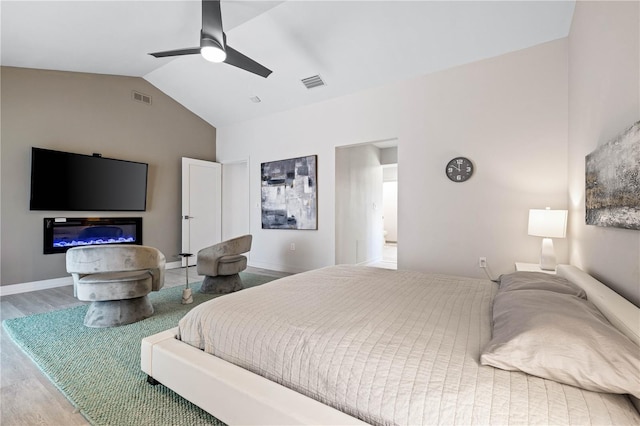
(238, 396)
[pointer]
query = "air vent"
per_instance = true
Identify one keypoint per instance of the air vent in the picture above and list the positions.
(141, 97)
(313, 82)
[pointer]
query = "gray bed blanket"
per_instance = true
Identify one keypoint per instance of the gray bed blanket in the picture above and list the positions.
(388, 347)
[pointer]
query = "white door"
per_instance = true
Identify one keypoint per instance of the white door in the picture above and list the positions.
(201, 205)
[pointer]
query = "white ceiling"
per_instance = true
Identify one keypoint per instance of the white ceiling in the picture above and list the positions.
(353, 45)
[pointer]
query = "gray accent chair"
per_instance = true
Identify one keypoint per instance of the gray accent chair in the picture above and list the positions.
(222, 263)
(117, 280)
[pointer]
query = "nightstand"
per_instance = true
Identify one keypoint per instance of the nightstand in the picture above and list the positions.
(531, 267)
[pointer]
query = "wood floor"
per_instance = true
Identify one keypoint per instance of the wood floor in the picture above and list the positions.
(27, 397)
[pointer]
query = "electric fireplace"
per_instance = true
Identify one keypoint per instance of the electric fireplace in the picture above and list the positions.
(60, 234)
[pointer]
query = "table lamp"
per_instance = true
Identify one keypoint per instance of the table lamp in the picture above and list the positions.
(548, 224)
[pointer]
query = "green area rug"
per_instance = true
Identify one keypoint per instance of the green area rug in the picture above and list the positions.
(98, 370)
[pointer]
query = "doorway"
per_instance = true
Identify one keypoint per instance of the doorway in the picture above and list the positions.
(366, 225)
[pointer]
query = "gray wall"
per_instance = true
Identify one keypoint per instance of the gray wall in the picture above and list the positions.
(86, 113)
(604, 99)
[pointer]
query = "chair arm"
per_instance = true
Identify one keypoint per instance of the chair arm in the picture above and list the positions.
(157, 278)
(208, 258)
(95, 259)
(116, 258)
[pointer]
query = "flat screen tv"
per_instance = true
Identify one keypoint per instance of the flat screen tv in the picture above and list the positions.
(77, 182)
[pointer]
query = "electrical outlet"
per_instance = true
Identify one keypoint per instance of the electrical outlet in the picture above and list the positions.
(293, 246)
(482, 262)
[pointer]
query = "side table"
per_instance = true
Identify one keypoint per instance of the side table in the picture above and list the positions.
(532, 267)
(187, 295)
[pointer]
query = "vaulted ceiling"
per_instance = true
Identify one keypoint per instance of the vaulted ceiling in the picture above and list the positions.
(352, 45)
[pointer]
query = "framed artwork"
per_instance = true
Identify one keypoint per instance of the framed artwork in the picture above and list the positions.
(289, 193)
(612, 187)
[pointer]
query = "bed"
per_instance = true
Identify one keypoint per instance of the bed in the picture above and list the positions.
(353, 345)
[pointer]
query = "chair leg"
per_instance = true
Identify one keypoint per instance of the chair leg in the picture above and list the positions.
(112, 313)
(221, 284)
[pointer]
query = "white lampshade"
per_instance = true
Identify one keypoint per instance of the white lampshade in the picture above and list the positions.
(548, 223)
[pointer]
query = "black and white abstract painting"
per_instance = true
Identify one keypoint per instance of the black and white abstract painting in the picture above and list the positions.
(289, 194)
(612, 188)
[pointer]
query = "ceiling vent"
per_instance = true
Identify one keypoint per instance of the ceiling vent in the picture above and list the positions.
(141, 97)
(313, 82)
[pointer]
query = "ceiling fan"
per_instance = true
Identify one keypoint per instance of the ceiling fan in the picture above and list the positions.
(213, 43)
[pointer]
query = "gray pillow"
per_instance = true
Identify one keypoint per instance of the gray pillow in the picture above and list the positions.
(563, 338)
(524, 280)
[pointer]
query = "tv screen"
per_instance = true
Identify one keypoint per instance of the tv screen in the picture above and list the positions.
(66, 181)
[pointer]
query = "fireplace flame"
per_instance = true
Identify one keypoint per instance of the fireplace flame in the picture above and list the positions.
(93, 241)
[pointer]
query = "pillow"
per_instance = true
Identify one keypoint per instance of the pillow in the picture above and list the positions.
(524, 280)
(563, 338)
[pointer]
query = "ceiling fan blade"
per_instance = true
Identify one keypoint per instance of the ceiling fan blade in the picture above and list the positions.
(241, 61)
(178, 52)
(212, 35)
(212, 20)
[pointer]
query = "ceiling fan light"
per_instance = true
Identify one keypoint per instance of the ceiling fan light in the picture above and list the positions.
(213, 53)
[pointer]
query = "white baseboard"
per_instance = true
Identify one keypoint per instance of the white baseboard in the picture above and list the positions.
(275, 267)
(174, 265)
(370, 261)
(7, 290)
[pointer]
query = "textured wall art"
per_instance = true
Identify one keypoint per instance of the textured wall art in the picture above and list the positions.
(289, 194)
(612, 188)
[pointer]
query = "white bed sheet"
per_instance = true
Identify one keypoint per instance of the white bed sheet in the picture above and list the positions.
(388, 347)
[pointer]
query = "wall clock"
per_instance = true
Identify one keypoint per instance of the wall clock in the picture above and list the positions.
(459, 169)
